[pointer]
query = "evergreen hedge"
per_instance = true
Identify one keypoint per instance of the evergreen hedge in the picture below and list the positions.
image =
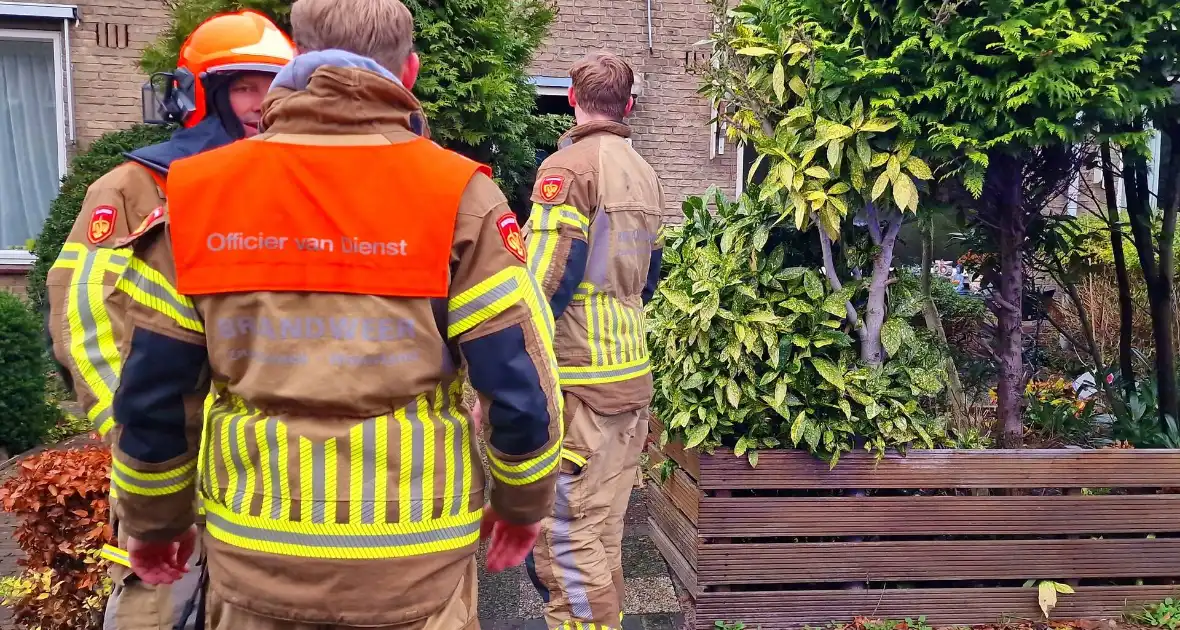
(25, 417)
(103, 155)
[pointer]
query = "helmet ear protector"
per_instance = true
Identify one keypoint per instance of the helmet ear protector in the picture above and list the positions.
(170, 97)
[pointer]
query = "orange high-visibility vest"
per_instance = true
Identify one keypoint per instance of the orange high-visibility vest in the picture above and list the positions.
(269, 216)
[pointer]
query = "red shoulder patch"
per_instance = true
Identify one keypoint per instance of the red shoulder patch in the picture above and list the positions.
(151, 218)
(551, 187)
(102, 224)
(510, 234)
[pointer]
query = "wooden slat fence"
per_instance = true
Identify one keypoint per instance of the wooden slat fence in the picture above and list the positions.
(952, 535)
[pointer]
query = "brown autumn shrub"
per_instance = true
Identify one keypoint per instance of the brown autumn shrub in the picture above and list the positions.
(62, 499)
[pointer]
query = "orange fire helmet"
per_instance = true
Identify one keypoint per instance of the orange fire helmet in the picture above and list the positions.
(230, 42)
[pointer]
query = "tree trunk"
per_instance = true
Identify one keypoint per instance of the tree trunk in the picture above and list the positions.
(1123, 279)
(1005, 185)
(934, 323)
(871, 350)
(1158, 276)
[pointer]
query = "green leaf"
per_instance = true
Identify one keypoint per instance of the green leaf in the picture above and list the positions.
(894, 168)
(753, 457)
(818, 172)
(812, 434)
(918, 168)
(798, 306)
(798, 87)
(756, 51)
(797, 48)
(779, 81)
(846, 408)
(678, 299)
(681, 420)
(879, 160)
(739, 449)
(829, 372)
(694, 381)
(878, 125)
(733, 393)
(835, 152)
(863, 151)
(836, 304)
(696, 435)
(839, 189)
(813, 286)
(834, 132)
(763, 317)
(880, 186)
(891, 335)
(797, 428)
(905, 194)
(780, 392)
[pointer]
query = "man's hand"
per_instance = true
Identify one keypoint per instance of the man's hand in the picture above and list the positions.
(510, 543)
(162, 562)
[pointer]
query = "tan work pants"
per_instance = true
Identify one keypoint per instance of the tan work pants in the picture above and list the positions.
(578, 560)
(461, 612)
(134, 605)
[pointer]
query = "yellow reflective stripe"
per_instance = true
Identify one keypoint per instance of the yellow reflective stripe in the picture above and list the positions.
(149, 288)
(356, 471)
(542, 240)
(156, 484)
(116, 555)
(91, 340)
(227, 448)
(586, 625)
(542, 317)
(284, 502)
(306, 495)
(597, 374)
(569, 215)
(573, 457)
(527, 471)
(330, 540)
(485, 300)
(266, 470)
(405, 460)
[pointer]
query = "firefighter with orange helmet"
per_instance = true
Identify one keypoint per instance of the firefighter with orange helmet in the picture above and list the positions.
(215, 94)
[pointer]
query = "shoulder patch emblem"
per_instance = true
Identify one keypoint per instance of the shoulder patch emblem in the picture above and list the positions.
(551, 187)
(151, 218)
(510, 234)
(102, 224)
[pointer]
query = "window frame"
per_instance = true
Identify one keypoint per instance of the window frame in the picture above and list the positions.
(12, 256)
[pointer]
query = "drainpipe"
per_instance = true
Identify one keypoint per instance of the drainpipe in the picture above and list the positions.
(650, 48)
(69, 72)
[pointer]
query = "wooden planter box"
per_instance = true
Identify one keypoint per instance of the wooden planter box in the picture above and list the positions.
(750, 544)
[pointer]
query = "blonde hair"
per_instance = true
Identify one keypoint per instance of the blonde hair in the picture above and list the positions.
(602, 84)
(382, 30)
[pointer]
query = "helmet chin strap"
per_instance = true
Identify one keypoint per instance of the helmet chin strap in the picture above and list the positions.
(217, 103)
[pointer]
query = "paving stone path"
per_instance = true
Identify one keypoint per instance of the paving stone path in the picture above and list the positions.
(507, 601)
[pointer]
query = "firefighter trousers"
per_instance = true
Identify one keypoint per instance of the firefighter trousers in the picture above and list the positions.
(460, 613)
(134, 605)
(577, 564)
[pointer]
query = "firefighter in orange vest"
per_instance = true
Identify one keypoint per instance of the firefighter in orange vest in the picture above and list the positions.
(225, 69)
(595, 247)
(336, 279)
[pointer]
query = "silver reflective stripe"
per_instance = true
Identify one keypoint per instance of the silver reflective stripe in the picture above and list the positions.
(414, 414)
(528, 472)
(576, 217)
(542, 305)
(489, 297)
(578, 373)
(542, 232)
(68, 254)
(358, 541)
(319, 482)
(236, 433)
(457, 426)
(272, 448)
(91, 333)
(368, 470)
(572, 576)
(157, 291)
(177, 477)
(612, 344)
(597, 351)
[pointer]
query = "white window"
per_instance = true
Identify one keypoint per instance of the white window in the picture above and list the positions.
(32, 131)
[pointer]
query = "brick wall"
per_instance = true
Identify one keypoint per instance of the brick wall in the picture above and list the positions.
(106, 45)
(12, 279)
(671, 122)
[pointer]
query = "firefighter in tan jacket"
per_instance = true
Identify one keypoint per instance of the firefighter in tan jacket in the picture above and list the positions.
(594, 246)
(336, 279)
(233, 57)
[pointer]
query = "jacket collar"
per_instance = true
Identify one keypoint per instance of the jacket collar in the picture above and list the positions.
(323, 98)
(583, 131)
(204, 136)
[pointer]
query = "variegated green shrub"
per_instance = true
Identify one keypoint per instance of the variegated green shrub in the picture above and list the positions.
(751, 355)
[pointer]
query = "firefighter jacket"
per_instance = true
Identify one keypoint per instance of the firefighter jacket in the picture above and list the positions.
(595, 245)
(337, 279)
(88, 338)
(86, 335)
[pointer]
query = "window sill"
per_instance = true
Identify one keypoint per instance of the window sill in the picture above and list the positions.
(16, 260)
